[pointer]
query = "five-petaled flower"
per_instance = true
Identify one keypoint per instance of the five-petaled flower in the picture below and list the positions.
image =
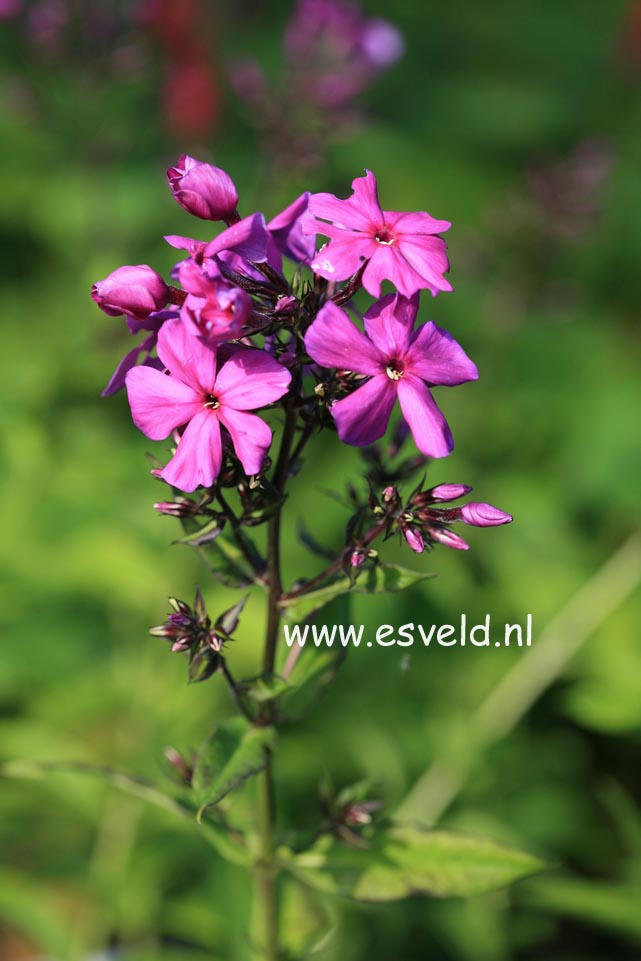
(199, 393)
(399, 362)
(401, 247)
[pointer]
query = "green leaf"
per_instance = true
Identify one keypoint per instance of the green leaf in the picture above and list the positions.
(202, 535)
(308, 921)
(313, 671)
(265, 688)
(378, 579)
(138, 787)
(602, 904)
(403, 859)
(222, 841)
(223, 557)
(233, 753)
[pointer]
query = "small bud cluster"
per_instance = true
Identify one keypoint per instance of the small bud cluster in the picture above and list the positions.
(189, 629)
(423, 524)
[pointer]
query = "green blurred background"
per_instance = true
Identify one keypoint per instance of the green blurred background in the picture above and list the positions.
(520, 123)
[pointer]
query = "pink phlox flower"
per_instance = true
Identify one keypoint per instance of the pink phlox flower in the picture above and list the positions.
(217, 310)
(400, 247)
(399, 362)
(205, 397)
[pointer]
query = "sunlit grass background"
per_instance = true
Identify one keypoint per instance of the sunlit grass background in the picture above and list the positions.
(484, 94)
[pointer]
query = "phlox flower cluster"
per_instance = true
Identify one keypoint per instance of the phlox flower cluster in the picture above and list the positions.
(234, 335)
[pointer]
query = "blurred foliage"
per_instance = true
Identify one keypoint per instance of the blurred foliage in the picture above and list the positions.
(485, 95)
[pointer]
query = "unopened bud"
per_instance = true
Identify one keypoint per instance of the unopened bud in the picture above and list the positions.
(447, 537)
(358, 557)
(414, 538)
(203, 190)
(137, 291)
(484, 515)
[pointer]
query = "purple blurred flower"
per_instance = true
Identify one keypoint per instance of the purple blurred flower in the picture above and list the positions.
(136, 291)
(203, 190)
(205, 398)
(338, 50)
(9, 8)
(401, 247)
(399, 362)
(381, 43)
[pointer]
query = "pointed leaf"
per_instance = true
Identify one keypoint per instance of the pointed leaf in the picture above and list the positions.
(403, 860)
(378, 579)
(222, 555)
(315, 669)
(228, 622)
(233, 753)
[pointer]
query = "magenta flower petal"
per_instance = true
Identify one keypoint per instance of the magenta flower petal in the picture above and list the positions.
(363, 417)
(436, 357)
(248, 238)
(199, 455)
(428, 258)
(251, 379)
(484, 515)
(390, 322)
(286, 229)
(188, 359)
(347, 255)
(388, 263)
(250, 436)
(408, 225)
(334, 341)
(429, 428)
(159, 404)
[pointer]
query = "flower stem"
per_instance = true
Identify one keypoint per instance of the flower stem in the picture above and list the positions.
(273, 544)
(265, 933)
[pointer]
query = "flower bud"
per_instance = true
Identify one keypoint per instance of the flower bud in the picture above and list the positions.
(415, 539)
(136, 291)
(357, 557)
(448, 492)
(447, 537)
(203, 190)
(389, 494)
(484, 515)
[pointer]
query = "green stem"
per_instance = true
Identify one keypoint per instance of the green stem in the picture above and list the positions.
(273, 545)
(265, 934)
